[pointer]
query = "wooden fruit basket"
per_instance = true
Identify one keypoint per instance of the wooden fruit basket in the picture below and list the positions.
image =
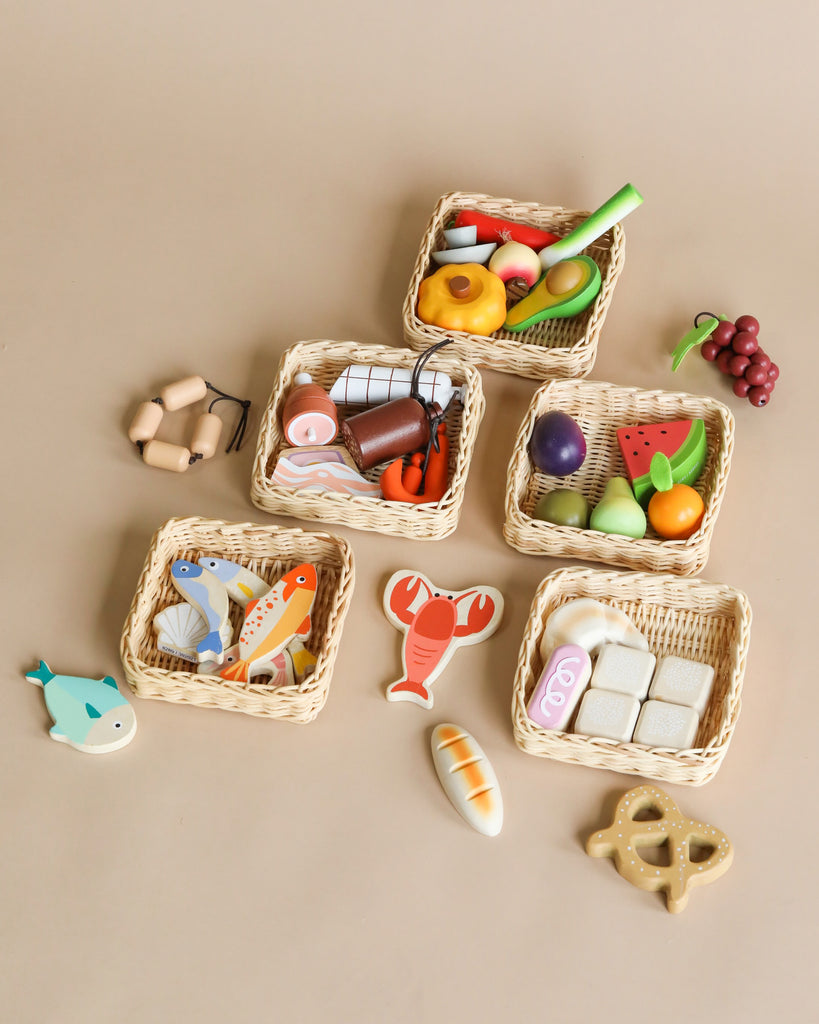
(600, 409)
(693, 619)
(324, 361)
(551, 349)
(268, 551)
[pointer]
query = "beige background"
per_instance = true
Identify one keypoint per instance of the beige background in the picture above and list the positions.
(191, 188)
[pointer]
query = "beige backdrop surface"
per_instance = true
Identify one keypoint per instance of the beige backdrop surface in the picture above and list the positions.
(191, 188)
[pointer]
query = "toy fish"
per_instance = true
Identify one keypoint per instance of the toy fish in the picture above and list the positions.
(89, 714)
(272, 621)
(435, 626)
(287, 668)
(241, 584)
(209, 597)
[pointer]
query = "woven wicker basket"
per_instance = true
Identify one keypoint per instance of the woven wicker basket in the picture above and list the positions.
(269, 551)
(553, 348)
(705, 622)
(324, 361)
(600, 409)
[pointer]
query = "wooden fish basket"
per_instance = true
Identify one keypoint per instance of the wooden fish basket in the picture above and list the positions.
(268, 551)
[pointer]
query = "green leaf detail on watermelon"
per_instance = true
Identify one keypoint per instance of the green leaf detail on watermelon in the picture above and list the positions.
(660, 472)
(683, 441)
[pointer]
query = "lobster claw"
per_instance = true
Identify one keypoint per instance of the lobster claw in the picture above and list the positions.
(403, 594)
(480, 616)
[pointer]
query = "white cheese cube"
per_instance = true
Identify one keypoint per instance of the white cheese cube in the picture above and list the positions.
(608, 714)
(624, 669)
(666, 725)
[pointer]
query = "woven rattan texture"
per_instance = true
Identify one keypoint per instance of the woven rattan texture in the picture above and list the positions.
(705, 622)
(269, 551)
(324, 361)
(600, 409)
(554, 348)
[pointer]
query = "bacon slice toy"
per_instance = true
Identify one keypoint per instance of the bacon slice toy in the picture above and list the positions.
(435, 622)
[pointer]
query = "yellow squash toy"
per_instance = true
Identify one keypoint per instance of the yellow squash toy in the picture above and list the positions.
(463, 297)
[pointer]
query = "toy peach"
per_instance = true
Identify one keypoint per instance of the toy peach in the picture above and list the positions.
(463, 297)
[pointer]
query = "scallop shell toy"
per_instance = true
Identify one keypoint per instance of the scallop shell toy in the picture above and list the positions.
(179, 629)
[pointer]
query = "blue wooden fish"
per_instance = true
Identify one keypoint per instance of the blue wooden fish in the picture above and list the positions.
(89, 714)
(241, 584)
(208, 596)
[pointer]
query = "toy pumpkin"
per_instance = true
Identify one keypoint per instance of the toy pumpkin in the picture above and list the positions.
(463, 297)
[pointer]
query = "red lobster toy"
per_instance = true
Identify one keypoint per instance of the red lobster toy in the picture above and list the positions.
(435, 622)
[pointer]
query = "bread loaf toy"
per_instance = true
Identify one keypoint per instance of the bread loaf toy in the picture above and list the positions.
(468, 779)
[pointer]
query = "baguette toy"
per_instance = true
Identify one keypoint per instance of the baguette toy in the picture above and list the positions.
(467, 778)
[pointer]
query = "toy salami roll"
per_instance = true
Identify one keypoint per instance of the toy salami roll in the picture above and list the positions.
(387, 432)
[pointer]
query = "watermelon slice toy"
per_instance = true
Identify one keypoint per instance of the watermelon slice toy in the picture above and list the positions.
(684, 442)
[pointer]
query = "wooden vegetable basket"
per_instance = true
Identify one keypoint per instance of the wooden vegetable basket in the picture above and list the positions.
(268, 551)
(551, 349)
(599, 410)
(324, 361)
(693, 619)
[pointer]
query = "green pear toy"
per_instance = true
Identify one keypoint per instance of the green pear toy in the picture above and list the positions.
(618, 511)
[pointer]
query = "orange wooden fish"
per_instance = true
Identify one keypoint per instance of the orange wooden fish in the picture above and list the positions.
(274, 619)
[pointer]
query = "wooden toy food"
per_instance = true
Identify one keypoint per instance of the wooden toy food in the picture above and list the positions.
(457, 237)
(309, 415)
(465, 254)
(557, 445)
(375, 385)
(207, 429)
(623, 669)
(495, 229)
(209, 597)
(566, 289)
(682, 681)
(435, 623)
(608, 714)
(465, 297)
(423, 481)
(322, 473)
(514, 259)
(687, 841)
(560, 687)
(618, 511)
(241, 584)
(564, 507)
(596, 224)
(90, 715)
(671, 726)
(735, 348)
(675, 511)
(389, 431)
(273, 620)
(684, 442)
(467, 778)
(180, 628)
(590, 624)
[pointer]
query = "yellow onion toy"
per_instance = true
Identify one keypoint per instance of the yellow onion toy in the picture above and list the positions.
(463, 297)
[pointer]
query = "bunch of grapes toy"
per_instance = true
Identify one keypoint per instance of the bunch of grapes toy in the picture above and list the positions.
(735, 348)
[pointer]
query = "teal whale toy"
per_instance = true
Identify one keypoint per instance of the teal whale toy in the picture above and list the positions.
(89, 714)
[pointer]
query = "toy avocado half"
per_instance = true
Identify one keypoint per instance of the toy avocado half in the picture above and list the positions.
(565, 289)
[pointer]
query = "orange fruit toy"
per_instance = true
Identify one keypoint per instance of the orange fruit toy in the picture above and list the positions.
(675, 510)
